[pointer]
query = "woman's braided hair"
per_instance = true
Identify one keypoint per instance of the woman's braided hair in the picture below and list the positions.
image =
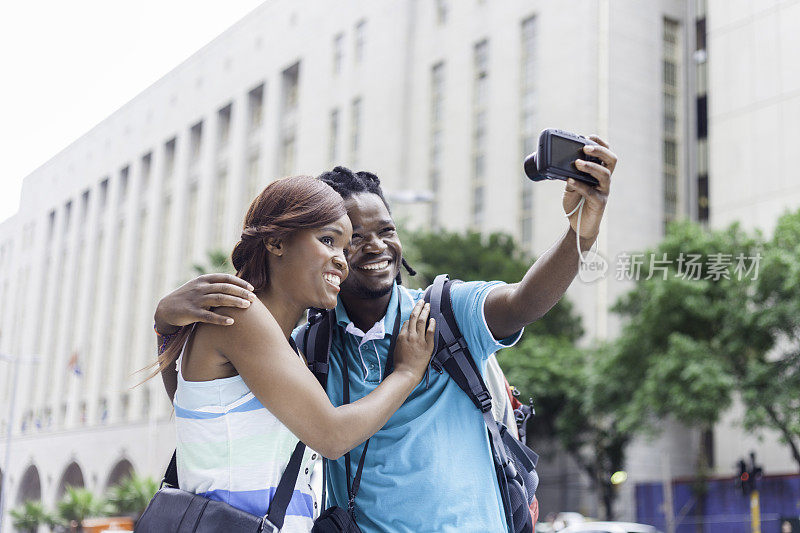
(347, 183)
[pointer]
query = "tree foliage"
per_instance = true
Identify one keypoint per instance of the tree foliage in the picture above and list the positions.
(79, 504)
(31, 515)
(470, 256)
(132, 495)
(546, 364)
(692, 343)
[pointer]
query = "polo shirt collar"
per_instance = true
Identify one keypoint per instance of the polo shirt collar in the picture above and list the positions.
(388, 319)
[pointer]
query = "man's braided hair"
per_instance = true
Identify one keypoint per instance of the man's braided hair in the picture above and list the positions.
(347, 183)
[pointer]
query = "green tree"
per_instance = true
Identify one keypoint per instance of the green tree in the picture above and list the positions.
(79, 504)
(771, 384)
(216, 261)
(546, 364)
(131, 496)
(689, 345)
(471, 256)
(30, 516)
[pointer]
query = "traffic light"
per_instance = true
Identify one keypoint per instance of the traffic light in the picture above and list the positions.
(748, 475)
(743, 480)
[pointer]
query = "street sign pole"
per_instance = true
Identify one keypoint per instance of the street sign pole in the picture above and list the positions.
(755, 512)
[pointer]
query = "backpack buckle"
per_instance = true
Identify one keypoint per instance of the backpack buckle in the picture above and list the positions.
(485, 401)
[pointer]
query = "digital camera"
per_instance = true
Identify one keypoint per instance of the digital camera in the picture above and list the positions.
(555, 158)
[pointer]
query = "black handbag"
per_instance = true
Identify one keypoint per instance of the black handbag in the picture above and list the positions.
(173, 510)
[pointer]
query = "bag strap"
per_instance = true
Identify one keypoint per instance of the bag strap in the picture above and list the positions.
(316, 337)
(352, 490)
(171, 474)
(452, 352)
(276, 513)
(453, 355)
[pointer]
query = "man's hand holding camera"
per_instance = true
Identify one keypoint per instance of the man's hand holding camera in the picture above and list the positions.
(595, 196)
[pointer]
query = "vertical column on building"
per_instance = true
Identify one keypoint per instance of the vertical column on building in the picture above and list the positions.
(138, 322)
(81, 307)
(603, 73)
(32, 322)
(97, 404)
(10, 344)
(53, 237)
(206, 178)
(120, 346)
(145, 400)
(65, 371)
(172, 259)
(236, 175)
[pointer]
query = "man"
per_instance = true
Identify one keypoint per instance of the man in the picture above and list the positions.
(430, 467)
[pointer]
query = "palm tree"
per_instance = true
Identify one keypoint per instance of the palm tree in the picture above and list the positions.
(131, 496)
(30, 516)
(79, 504)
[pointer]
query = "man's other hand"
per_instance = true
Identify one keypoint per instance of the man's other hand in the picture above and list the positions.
(192, 302)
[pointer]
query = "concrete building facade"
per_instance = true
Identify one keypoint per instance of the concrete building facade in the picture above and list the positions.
(440, 97)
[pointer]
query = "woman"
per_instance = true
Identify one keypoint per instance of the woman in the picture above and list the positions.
(244, 396)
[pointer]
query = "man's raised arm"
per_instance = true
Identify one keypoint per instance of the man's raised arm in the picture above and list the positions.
(194, 302)
(511, 307)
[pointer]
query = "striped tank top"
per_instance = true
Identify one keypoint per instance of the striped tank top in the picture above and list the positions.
(230, 448)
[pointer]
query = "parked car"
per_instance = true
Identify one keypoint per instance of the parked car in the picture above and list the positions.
(609, 527)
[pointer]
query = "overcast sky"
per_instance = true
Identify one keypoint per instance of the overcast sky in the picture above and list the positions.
(67, 65)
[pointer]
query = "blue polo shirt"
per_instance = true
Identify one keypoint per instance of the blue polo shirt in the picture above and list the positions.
(429, 468)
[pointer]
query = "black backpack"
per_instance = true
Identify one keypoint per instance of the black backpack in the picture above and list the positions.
(515, 463)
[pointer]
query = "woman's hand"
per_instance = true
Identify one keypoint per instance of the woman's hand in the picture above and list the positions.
(415, 342)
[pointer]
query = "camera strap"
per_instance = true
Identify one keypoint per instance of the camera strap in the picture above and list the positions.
(581, 257)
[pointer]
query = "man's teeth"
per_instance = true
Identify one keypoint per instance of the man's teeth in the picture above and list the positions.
(332, 279)
(376, 266)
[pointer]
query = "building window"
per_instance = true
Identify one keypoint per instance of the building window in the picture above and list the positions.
(190, 221)
(360, 36)
(224, 126)
(338, 53)
(437, 144)
(169, 160)
(479, 130)
(220, 194)
(254, 185)
(123, 185)
(51, 225)
(255, 104)
(67, 216)
(147, 163)
(671, 117)
(195, 143)
(288, 125)
(527, 128)
(333, 143)
(355, 124)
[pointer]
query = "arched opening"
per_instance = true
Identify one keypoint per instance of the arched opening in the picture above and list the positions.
(30, 487)
(72, 477)
(123, 469)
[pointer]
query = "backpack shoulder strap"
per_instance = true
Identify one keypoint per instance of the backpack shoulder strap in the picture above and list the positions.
(452, 353)
(314, 339)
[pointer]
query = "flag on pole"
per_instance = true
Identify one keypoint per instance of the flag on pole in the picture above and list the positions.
(74, 365)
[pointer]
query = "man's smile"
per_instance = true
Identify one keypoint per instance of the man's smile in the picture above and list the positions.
(376, 266)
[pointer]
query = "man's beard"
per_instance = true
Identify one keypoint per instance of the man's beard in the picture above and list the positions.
(368, 293)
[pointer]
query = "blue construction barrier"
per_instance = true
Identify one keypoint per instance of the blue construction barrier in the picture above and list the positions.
(724, 509)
